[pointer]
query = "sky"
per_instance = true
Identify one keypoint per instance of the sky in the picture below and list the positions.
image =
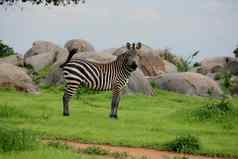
(183, 26)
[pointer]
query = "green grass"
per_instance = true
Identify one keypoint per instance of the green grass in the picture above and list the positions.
(15, 139)
(44, 152)
(143, 121)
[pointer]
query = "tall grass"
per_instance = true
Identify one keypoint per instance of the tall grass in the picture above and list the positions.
(14, 139)
(7, 111)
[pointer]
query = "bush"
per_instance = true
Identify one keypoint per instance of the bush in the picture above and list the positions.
(182, 64)
(37, 76)
(119, 155)
(94, 150)
(58, 145)
(187, 143)
(154, 85)
(5, 50)
(14, 139)
(218, 111)
(186, 64)
(168, 56)
(236, 52)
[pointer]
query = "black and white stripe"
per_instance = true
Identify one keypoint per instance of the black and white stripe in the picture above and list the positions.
(111, 76)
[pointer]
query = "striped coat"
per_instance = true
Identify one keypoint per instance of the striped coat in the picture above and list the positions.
(111, 76)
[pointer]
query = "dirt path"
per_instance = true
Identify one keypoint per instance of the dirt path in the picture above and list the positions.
(136, 152)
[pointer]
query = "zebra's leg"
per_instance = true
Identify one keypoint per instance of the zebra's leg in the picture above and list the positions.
(69, 91)
(66, 99)
(115, 100)
(114, 106)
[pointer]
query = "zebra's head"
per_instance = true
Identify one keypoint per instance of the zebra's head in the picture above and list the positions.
(132, 55)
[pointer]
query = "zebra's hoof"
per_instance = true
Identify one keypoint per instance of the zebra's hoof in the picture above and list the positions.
(65, 114)
(113, 116)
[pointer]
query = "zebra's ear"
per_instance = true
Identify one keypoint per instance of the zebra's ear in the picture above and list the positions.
(128, 45)
(138, 45)
(133, 46)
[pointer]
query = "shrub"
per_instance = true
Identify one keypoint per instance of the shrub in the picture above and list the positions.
(168, 56)
(120, 155)
(187, 143)
(15, 139)
(196, 64)
(217, 111)
(154, 85)
(94, 150)
(37, 76)
(182, 64)
(5, 50)
(236, 52)
(58, 145)
(186, 63)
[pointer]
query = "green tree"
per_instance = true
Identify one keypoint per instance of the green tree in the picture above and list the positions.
(236, 52)
(5, 50)
(43, 2)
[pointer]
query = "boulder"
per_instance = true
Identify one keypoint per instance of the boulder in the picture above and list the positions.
(151, 63)
(54, 76)
(218, 64)
(13, 59)
(13, 76)
(169, 67)
(40, 47)
(81, 45)
(139, 84)
(44, 53)
(188, 83)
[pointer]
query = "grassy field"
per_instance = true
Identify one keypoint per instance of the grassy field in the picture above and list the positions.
(153, 122)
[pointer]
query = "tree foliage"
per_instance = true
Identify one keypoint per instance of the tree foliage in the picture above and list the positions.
(5, 50)
(43, 2)
(236, 52)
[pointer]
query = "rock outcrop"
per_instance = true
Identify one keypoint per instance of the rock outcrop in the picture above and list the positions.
(81, 45)
(188, 83)
(215, 65)
(13, 59)
(16, 77)
(43, 53)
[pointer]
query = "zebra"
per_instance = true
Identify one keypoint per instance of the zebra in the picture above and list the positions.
(110, 76)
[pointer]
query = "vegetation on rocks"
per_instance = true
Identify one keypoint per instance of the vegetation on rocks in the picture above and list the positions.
(42, 73)
(236, 52)
(5, 50)
(183, 64)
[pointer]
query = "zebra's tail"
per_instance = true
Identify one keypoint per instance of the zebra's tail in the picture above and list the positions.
(71, 54)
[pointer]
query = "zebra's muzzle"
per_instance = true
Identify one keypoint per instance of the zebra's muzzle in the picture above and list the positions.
(133, 66)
